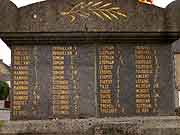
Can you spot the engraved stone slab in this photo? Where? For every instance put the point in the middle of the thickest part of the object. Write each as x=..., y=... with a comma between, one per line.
x=79, y=81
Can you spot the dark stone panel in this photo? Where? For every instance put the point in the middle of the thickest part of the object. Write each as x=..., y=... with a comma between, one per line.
x=42, y=68
x=78, y=69
x=39, y=85
x=86, y=63
x=87, y=81
x=127, y=80
x=167, y=97
x=28, y=107
x=25, y=111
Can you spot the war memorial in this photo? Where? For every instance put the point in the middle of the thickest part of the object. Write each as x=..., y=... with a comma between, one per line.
x=92, y=67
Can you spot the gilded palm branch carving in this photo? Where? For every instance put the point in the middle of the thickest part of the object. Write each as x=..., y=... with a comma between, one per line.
x=100, y=9
x=146, y=1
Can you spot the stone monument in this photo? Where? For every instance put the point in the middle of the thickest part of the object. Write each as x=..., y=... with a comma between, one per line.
x=82, y=59
x=100, y=62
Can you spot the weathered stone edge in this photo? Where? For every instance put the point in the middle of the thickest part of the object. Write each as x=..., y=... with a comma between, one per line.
x=83, y=125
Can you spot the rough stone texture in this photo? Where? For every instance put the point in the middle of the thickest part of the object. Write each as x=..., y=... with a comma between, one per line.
x=8, y=16
x=140, y=17
x=47, y=17
x=169, y=125
x=172, y=16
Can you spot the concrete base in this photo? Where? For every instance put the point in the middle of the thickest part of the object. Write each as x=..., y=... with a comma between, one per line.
x=166, y=125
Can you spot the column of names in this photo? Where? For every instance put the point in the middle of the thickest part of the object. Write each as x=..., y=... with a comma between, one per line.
x=144, y=72
x=65, y=84
x=21, y=62
x=106, y=62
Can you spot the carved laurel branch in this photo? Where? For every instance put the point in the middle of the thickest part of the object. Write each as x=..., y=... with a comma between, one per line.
x=146, y=1
x=101, y=10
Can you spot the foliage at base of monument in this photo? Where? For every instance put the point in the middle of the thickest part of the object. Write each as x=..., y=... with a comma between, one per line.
x=1, y=123
x=4, y=90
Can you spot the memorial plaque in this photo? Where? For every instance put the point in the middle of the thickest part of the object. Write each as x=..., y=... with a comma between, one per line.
x=65, y=89
x=30, y=82
x=21, y=80
x=147, y=79
x=72, y=80
x=79, y=81
x=109, y=62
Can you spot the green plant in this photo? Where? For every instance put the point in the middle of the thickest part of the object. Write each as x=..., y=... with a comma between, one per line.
x=4, y=90
x=1, y=123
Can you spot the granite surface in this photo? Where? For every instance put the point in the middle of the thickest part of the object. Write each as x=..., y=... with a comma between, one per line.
x=53, y=16
x=42, y=95
x=168, y=125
